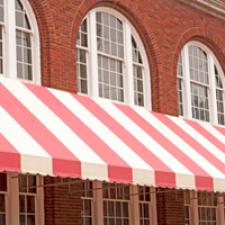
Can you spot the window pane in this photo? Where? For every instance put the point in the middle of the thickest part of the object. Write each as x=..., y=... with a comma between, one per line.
x=1, y=51
x=109, y=78
x=82, y=76
x=21, y=16
x=22, y=203
x=200, y=102
x=30, y=204
x=1, y=11
x=3, y=182
x=24, y=55
x=198, y=63
x=23, y=183
x=109, y=34
x=2, y=203
x=31, y=220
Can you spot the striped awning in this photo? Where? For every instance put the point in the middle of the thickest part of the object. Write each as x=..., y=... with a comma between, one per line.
x=51, y=132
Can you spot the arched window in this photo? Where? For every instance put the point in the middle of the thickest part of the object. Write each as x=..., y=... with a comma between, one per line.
x=111, y=60
x=201, y=84
x=19, y=43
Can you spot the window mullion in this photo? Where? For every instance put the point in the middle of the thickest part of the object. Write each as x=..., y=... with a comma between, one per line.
x=11, y=65
x=93, y=68
x=98, y=203
x=212, y=90
x=187, y=84
x=135, y=217
x=128, y=73
x=220, y=210
x=13, y=192
x=194, y=207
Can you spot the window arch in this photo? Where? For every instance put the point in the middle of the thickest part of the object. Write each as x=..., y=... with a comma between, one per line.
x=19, y=41
x=111, y=60
x=201, y=84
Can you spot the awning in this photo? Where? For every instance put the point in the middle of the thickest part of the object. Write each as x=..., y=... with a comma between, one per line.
x=51, y=132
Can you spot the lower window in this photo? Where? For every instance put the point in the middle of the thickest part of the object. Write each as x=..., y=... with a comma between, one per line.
x=116, y=199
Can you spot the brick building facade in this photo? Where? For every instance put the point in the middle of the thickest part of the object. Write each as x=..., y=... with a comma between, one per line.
x=164, y=27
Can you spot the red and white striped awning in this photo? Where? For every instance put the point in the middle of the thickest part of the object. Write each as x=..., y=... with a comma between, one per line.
x=51, y=132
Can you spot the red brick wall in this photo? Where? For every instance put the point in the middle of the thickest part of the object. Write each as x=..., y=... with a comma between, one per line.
x=164, y=26
x=62, y=202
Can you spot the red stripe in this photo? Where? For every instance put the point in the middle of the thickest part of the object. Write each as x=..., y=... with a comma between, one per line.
x=64, y=162
x=166, y=144
x=207, y=135
x=118, y=169
x=164, y=176
x=9, y=157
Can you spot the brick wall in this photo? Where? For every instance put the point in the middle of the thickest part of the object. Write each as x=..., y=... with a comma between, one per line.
x=62, y=202
x=164, y=26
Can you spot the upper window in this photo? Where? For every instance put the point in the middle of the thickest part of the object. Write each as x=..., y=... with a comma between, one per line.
x=201, y=84
x=111, y=61
x=19, y=41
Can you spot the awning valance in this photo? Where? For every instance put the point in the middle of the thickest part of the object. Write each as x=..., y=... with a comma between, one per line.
x=51, y=132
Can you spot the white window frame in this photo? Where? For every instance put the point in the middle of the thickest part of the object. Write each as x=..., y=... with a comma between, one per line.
x=92, y=65
x=9, y=41
x=13, y=200
x=187, y=106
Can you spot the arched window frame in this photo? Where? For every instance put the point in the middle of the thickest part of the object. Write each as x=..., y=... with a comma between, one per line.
x=92, y=64
x=9, y=41
x=185, y=81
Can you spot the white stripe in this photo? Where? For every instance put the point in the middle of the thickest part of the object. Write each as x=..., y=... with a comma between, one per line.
x=58, y=128
x=34, y=159
x=213, y=131
x=180, y=143
x=144, y=138
x=103, y=132
x=199, y=138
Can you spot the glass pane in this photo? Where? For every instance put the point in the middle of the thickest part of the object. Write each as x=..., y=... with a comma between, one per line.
x=22, y=220
x=22, y=203
x=2, y=219
x=109, y=34
x=3, y=182
x=30, y=220
x=1, y=11
x=32, y=184
x=30, y=204
x=21, y=16
x=2, y=203
x=198, y=63
x=23, y=183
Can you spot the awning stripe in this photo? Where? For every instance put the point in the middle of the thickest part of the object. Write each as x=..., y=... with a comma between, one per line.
x=64, y=161
x=210, y=138
x=168, y=140
x=122, y=170
x=9, y=156
x=130, y=140
x=213, y=165
x=52, y=132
